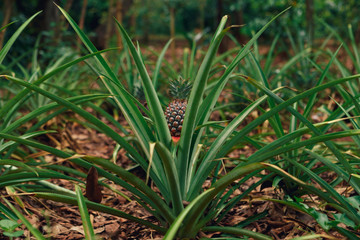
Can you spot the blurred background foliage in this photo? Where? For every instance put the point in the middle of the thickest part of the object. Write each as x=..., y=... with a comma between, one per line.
x=159, y=19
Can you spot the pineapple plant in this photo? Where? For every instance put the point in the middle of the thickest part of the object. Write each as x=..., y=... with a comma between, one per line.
x=175, y=111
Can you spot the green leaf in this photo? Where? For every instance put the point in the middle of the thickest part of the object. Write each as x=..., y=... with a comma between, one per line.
x=150, y=92
x=252, y=125
x=131, y=112
x=89, y=117
x=17, y=164
x=209, y=102
x=9, y=225
x=312, y=98
x=194, y=102
x=25, y=136
x=190, y=223
x=321, y=218
x=6, y=212
x=13, y=101
x=171, y=175
x=211, y=99
x=158, y=64
x=306, y=122
x=40, y=174
x=48, y=108
x=348, y=208
x=342, y=218
x=88, y=228
x=314, y=236
x=355, y=201
x=14, y=234
x=5, y=49
x=337, y=35
x=62, y=154
x=237, y=231
x=99, y=207
x=317, y=139
x=346, y=233
x=208, y=162
x=156, y=201
x=36, y=233
x=173, y=229
x=7, y=25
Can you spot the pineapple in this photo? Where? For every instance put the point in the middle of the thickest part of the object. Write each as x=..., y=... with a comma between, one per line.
x=175, y=112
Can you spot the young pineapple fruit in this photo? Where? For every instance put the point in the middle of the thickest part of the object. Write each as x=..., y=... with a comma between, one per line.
x=175, y=112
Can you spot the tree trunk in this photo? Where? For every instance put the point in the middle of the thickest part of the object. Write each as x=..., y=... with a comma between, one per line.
x=51, y=14
x=7, y=13
x=67, y=7
x=133, y=18
x=109, y=23
x=119, y=17
x=310, y=21
x=145, y=26
x=48, y=20
x=239, y=21
x=63, y=24
x=201, y=18
x=172, y=32
x=82, y=20
x=219, y=8
x=224, y=44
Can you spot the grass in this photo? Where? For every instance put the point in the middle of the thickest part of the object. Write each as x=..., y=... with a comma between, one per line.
x=296, y=159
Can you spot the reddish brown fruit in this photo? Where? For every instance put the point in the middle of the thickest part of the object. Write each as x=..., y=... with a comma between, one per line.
x=175, y=114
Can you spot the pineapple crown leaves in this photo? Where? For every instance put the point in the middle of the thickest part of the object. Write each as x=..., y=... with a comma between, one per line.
x=180, y=88
x=139, y=92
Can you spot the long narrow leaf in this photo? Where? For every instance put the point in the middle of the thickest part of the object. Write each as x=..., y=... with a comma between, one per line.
x=237, y=231
x=158, y=64
x=174, y=228
x=129, y=109
x=35, y=232
x=208, y=161
x=280, y=107
x=104, y=127
x=100, y=208
x=306, y=122
x=172, y=176
x=195, y=99
x=47, y=108
x=312, y=98
x=5, y=49
x=139, y=184
x=9, y=104
x=87, y=165
x=150, y=92
x=352, y=212
x=88, y=228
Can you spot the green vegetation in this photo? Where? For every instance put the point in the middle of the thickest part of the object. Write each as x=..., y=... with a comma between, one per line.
x=8, y=226
x=298, y=117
